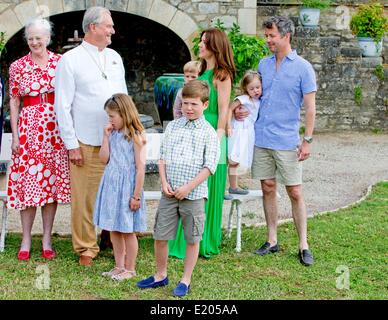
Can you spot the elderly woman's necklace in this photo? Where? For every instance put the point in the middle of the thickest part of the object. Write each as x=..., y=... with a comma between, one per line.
x=103, y=74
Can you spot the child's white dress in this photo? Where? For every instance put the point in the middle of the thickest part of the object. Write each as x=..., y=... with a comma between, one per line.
x=242, y=141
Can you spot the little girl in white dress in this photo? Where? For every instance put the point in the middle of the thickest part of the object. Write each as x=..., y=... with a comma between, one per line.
x=241, y=139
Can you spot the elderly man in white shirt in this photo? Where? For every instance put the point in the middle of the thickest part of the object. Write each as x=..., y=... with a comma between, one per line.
x=86, y=77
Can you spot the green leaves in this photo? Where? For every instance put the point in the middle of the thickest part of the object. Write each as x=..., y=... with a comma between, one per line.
x=369, y=21
x=2, y=41
x=316, y=4
x=247, y=50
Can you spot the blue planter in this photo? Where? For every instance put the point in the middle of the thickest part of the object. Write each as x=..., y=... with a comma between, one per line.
x=165, y=90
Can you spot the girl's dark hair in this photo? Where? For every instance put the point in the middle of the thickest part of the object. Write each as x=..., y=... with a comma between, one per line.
x=218, y=43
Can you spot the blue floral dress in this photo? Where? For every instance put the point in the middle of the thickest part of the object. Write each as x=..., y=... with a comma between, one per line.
x=111, y=210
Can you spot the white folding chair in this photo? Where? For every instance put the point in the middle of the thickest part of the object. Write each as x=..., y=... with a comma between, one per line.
x=5, y=157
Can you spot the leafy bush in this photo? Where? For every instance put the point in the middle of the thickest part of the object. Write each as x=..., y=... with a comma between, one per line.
x=311, y=4
x=358, y=95
x=247, y=50
x=316, y=4
x=379, y=72
x=2, y=41
x=369, y=21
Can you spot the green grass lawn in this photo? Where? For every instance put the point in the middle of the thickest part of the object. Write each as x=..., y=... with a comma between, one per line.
x=353, y=239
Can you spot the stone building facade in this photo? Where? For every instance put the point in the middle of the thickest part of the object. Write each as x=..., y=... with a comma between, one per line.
x=331, y=48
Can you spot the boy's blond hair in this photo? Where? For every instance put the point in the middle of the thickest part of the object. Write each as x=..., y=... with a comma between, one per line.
x=196, y=89
x=191, y=66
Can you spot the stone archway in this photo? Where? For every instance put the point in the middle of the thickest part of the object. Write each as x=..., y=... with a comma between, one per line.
x=15, y=17
x=145, y=40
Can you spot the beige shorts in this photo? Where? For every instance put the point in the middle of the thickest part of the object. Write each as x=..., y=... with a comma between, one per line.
x=167, y=216
x=280, y=165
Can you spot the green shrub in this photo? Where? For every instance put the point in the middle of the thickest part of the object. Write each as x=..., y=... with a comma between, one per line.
x=2, y=41
x=379, y=72
x=316, y=4
x=247, y=50
x=358, y=95
x=312, y=4
x=369, y=21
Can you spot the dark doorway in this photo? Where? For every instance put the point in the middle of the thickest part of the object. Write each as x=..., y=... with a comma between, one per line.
x=148, y=49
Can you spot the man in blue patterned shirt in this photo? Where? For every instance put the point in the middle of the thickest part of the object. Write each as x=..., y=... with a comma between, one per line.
x=288, y=82
x=189, y=155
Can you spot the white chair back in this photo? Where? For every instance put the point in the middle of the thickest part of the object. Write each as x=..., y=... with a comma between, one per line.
x=6, y=141
x=153, y=145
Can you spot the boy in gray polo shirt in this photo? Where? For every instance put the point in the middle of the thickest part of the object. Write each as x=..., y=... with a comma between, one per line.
x=189, y=154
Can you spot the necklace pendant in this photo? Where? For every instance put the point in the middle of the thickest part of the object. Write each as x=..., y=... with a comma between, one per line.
x=104, y=75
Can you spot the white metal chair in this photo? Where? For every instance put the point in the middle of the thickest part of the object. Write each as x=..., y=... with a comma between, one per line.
x=5, y=157
x=237, y=202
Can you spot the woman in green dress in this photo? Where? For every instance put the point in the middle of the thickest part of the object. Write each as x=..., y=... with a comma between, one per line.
x=217, y=68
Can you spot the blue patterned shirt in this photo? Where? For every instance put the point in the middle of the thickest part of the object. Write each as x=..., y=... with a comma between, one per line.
x=187, y=148
x=277, y=126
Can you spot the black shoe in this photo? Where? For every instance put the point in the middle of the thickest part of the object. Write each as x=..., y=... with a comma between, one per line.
x=266, y=248
x=305, y=257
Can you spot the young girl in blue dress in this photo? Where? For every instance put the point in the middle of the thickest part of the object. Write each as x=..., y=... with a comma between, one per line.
x=120, y=206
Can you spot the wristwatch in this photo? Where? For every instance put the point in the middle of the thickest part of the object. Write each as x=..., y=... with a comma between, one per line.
x=308, y=139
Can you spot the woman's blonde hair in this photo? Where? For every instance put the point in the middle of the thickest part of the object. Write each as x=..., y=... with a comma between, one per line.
x=248, y=77
x=125, y=107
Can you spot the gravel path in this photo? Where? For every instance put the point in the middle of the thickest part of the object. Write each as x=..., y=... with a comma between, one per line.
x=338, y=173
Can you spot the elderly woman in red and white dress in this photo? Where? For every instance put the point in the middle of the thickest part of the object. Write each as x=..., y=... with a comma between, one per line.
x=39, y=170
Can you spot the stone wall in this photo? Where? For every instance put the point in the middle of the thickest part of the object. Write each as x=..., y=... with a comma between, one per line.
x=331, y=48
x=336, y=58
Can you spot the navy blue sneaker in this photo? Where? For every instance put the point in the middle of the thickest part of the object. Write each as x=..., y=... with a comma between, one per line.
x=151, y=283
x=181, y=290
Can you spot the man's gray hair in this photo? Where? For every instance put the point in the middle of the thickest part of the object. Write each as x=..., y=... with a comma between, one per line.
x=284, y=25
x=93, y=15
x=42, y=24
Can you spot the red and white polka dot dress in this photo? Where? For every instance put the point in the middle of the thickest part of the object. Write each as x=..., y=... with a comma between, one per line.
x=40, y=172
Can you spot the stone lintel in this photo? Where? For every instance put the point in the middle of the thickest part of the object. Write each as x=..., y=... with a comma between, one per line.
x=162, y=12
x=117, y=5
x=140, y=7
x=26, y=11
x=183, y=25
x=50, y=7
x=9, y=23
x=73, y=5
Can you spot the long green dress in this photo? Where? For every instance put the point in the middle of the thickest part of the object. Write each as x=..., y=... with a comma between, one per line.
x=211, y=238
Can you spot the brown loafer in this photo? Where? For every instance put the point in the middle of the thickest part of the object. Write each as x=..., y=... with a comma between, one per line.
x=85, y=261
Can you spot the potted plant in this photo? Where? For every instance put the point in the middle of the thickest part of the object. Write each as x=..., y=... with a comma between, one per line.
x=369, y=24
x=310, y=11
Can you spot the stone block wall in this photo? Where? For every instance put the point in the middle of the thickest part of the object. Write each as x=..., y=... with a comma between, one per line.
x=336, y=58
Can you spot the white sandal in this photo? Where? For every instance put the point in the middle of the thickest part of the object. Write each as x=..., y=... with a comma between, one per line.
x=115, y=270
x=125, y=274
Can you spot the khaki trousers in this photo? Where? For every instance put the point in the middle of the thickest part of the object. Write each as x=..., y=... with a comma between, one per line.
x=84, y=186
